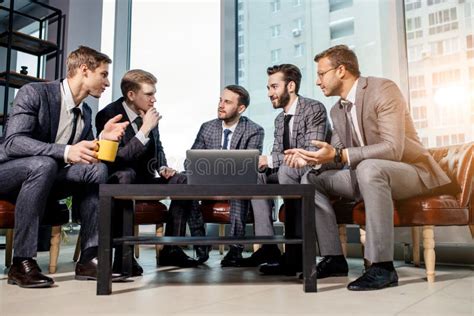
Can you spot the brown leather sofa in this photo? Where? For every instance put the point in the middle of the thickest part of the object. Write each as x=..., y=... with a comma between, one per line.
x=451, y=205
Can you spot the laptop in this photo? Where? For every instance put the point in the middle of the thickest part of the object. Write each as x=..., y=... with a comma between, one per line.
x=216, y=166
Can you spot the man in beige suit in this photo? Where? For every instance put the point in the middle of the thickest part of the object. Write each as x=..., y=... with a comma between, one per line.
x=375, y=143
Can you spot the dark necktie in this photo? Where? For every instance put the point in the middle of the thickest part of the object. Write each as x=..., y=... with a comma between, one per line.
x=139, y=122
x=351, y=136
x=226, y=138
x=286, y=131
x=76, y=111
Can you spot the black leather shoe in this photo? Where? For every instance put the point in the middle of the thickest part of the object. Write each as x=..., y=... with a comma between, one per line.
x=332, y=266
x=176, y=257
x=232, y=257
x=28, y=274
x=202, y=253
x=137, y=270
x=374, y=278
x=266, y=254
x=88, y=271
x=277, y=268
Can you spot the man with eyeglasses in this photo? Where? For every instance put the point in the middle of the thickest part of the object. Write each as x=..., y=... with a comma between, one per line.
x=141, y=159
x=301, y=120
x=378, y=158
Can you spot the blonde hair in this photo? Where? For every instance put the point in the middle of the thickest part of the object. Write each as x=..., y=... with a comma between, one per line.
x=133, y=79
x=85, y=56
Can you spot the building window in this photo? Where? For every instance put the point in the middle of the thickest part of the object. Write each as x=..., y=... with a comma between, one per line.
x=298, y=23
x=447, y=77
x=341, y=29
x=417, y=87
x=275, y=5
x=276, y=30
x=335, y=5
x=412, y=4
x=432, y=2
x=414, y=29
x=296, y=3
x=445, y=47
x=299, y=50
x=415, y=53
x=420, y=117
x=470, y=46
x=240, y=5
x=443, y=21
x=276, y=55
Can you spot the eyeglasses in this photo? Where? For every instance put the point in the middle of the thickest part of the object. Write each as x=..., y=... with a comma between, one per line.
x=321, y=74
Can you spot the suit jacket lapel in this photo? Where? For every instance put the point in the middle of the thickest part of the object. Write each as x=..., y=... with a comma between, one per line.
x=129, y=131
x=296, y=121
x=217, y=136
x=360, y=92
x=237, y=135
x=54, y=101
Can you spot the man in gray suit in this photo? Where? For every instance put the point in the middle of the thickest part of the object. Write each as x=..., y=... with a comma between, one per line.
x=141, y=159
x=375, y=140
x=301, y=120
x=49, y=147
x=230, y=130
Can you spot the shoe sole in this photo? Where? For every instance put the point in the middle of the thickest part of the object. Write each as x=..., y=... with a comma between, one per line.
x=333, y=275
x=374, y=289
x=33, y=286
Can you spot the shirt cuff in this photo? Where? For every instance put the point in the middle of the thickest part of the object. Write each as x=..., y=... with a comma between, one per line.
x=316, y=167
x=348, y=158
x=66, y=152
x=270, y=161
x=142, y=138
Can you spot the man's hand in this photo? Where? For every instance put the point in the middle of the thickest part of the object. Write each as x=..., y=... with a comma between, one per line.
x=298, y=158
x=113, y=130
x=167, y=172
x=262, y=162
x=83, y=152
x=150, y=120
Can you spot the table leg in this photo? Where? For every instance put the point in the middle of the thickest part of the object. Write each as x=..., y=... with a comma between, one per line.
x=309, y=244
x=104, y=273
x=127, y=228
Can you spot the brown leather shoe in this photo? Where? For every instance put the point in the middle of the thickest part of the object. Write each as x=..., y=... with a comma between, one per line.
x=88, y=271
x=28, y=274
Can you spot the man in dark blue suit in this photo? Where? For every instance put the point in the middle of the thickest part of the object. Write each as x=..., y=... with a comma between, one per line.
x=141, y=158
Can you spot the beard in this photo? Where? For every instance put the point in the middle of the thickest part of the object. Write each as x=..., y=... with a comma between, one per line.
x=283, y=99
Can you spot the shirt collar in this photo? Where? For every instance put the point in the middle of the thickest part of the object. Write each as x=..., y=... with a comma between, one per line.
x=68, y=99
x=232, y=128
x=130, y=113
x=292, y=109
x=352, y=93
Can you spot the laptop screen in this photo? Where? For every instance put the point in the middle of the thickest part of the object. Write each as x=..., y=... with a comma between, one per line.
x=214, y=166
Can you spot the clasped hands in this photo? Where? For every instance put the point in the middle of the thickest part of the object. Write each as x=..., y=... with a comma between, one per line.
x=299, y=158
x=86, y=151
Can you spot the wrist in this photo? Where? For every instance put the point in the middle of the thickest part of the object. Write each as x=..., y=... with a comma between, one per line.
x=338, y=155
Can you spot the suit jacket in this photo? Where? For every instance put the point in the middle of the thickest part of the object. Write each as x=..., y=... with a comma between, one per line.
x=247, y=135
x=33, y=124
x=310, y=122
x=132, y=153
x=387, y=130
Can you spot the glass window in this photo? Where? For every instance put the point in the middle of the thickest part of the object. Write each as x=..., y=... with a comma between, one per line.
x=335, y=5
x=185, y=58
x=441, y=79
x=342, y=29
x=276, y=55
x=276, y=5
x=363, y=28
x=276, y=30
x=412, y=4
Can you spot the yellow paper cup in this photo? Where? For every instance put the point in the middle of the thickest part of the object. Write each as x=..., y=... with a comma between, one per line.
x=107, y=150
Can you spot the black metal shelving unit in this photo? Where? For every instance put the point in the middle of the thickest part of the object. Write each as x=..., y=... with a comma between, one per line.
x=13, y=40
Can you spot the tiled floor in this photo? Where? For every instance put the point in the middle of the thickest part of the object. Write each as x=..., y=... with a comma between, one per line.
x=211, y=289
